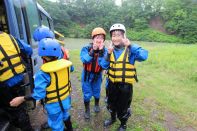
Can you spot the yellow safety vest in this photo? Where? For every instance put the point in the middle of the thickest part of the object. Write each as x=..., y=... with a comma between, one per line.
x=121, y=70
x=9, y=57
x=60, y=86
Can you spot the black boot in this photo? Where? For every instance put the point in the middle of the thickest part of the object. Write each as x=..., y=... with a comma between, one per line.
x=122, y=127
x=68, y=125
x=87, y=110
x=109, y=122
x=96, y=107
x=124, y=120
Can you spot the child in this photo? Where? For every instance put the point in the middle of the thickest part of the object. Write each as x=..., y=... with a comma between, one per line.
x=92, y=72
x=12, y=70
x=120, y=62
x=52, y=85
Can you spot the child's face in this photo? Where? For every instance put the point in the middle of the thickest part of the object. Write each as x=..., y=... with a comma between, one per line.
x=98, y=40
x=117, y=37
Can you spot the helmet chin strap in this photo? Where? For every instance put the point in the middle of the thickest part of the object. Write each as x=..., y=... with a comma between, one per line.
x=49, y=58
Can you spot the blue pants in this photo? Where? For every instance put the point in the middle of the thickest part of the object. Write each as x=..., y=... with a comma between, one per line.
x=56, y=121
x=91, y=87
x=56, y=116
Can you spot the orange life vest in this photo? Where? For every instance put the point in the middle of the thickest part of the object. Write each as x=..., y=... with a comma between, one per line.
x=93, y=66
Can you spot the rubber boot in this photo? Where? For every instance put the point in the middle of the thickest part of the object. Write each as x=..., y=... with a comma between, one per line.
x=109, y=122
x=124, y=120
x=68, y=125
x=87, y=110
x=96, y=107
x=123, y=125
x=122, y=128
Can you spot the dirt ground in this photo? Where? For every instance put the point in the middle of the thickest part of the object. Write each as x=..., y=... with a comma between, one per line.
x=169, y=120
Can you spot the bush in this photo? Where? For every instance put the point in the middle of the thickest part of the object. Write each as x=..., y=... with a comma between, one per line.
x=152, y=36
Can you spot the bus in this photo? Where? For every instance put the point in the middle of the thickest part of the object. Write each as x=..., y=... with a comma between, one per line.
x=20, y=18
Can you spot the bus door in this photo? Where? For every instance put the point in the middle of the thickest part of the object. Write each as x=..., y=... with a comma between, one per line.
x=32, y=21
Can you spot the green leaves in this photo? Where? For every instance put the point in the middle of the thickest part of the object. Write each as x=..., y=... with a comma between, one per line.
x=76, y=18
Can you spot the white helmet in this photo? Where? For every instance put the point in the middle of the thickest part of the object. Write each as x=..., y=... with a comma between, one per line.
x=117, y=27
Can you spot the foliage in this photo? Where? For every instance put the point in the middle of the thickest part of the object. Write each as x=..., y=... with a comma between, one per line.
x=76, y=18
x=152, y=35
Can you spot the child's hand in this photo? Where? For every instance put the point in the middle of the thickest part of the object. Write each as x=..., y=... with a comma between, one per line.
x=17, y=101
x=126, y=42
x=110, y=48
x=95, y=47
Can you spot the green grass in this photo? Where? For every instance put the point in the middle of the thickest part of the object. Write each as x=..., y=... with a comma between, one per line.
x=169, y=77
x=167, y=83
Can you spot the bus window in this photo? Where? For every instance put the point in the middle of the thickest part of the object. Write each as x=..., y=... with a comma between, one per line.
x=18, y=11
x=44, y=20
x=51, y=24
x=32, y=16
x=3, y=18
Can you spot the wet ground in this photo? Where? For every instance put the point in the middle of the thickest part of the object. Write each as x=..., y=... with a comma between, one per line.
x=157, y=118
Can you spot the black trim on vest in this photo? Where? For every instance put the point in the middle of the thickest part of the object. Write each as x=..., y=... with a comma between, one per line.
x=11, y=57
x=123, y=69
x=58, y=89
x=7, y=68
x=115, y=76
x=49, y=92
x=124, y=65
x=58, y=95
x=17, y=49
x=8, y=61
x=120, y=69
x=69, y=83
x=117, y=62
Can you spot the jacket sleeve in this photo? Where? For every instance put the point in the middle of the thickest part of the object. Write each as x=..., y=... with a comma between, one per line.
x=103, y=61
x=138, y=52
x=85, y=56
x=25, y=48
x=41, y=81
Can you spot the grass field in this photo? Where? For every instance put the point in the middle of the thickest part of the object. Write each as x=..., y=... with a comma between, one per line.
x=165, y=97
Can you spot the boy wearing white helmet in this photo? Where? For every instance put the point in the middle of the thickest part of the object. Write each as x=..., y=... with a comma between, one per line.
x=122, y=75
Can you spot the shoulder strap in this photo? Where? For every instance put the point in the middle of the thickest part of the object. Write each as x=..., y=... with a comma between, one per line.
x=124, y=64
x=57, y=90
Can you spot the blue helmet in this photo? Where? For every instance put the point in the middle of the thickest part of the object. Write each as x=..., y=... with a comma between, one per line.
x=42, y=32
x=49, y=47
